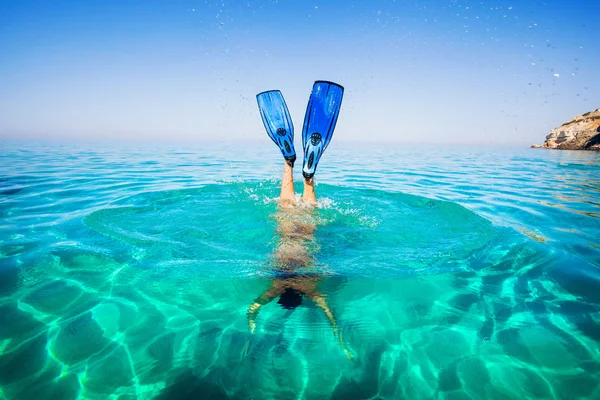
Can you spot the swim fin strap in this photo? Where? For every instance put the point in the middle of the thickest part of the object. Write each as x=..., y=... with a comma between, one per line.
x=319, y=123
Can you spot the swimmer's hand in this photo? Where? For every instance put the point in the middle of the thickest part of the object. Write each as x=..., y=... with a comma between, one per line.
x=349, y=355
x=347, y=352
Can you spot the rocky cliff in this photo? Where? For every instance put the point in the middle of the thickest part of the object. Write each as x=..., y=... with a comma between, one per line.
x=580, y=133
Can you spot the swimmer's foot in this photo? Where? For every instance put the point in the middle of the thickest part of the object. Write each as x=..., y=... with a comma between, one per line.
x=278, y=123
x=319, y=122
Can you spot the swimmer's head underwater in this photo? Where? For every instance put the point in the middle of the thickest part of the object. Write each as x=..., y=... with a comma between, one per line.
x=290, y=299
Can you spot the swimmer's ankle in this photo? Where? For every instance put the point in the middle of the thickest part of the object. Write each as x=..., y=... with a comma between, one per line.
x=290, y=160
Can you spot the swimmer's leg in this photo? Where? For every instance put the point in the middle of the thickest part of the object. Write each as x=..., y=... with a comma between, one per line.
x=286, y=196
x=309, y=195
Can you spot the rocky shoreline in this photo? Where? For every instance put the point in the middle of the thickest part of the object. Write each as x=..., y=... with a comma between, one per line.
x=580, y=133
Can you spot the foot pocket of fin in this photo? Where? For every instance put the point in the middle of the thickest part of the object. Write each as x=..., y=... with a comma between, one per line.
x=290, y=160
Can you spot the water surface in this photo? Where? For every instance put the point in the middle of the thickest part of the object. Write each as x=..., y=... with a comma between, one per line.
x=453, y=273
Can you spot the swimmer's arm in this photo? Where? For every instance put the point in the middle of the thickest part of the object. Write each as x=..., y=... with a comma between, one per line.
x=318, y=299
x=260, y=301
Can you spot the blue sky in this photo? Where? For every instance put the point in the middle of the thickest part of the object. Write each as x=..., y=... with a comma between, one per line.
x=484, y=72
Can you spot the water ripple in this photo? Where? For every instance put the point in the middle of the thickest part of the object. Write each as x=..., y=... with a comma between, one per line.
x=116, y=262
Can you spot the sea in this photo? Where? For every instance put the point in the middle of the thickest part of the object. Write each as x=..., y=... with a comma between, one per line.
x=127, y=272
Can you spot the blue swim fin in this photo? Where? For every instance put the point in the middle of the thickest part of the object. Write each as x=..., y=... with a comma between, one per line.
x=319, y=122
x=278, y=123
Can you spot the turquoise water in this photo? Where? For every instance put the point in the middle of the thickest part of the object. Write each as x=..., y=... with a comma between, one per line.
x=126, y=272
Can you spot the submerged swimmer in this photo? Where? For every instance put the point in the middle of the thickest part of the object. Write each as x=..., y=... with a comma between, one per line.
x=294, y=257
